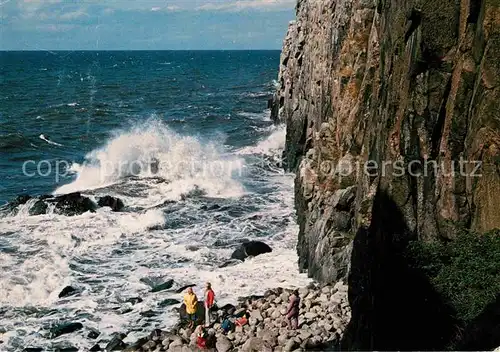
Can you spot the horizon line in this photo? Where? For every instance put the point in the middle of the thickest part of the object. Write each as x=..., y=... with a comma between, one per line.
x=94, y=50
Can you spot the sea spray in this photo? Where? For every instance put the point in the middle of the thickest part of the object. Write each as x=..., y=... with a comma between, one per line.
x=153, y=150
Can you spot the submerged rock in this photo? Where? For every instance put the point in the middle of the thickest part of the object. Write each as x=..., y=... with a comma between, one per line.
x=68, y=291
x=39, y=208
x=93, y=334
x=73, y=204
x=250, y=249
x=169, y=302
x=164, y=286
x=65, y=328
x=116, y=204
x=116, y=344
x=181, y=289
x=95, y=348
x=134, y=300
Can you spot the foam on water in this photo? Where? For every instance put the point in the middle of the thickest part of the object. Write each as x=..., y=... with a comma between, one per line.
x=106, y=254
x=271, y=145
x=153, y=150
x=46, y=139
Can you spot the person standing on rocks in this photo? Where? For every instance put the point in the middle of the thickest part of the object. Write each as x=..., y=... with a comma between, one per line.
x=209, y=303
x=191, y=302
x=292, y=314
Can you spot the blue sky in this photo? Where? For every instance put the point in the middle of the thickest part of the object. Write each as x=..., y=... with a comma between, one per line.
x=143, y=24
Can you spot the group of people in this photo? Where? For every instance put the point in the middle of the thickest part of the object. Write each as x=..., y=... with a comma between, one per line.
x=191, y=303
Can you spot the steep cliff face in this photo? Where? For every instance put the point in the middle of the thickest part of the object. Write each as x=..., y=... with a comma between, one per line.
x=393, y=128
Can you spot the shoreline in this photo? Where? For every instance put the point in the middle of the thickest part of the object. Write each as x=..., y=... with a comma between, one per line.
x=323, y=316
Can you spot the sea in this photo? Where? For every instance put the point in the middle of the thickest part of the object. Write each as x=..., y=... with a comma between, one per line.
x=185, y=139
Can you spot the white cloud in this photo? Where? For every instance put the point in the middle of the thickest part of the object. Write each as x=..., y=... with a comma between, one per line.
x=155, y=9
x=248, y=5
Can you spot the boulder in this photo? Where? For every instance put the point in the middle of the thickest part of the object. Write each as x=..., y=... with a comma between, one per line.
x=116, y=343
x=231, y=262
x=183, y=288
x=68, y=291
x=164, y=286
x=176, y=342
x=148, y=313
x=257, y=315
x=93, y=334
x=291, y=345
x=269, y=337
x=20, y=200
x=65, y=328
x=254, y=344
x=250, y=249
x=73, y=204
x=39, y=208
x=116, y=204
x=134, y=300
x=223, y=344
x=169, y=302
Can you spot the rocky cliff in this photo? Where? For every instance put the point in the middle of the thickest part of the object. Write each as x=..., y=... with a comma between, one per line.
x=393, y=129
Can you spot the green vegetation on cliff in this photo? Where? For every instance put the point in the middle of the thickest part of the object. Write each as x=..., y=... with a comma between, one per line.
x=465, y=271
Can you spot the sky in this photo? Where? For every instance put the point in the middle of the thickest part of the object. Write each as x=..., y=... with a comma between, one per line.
x=144, y=24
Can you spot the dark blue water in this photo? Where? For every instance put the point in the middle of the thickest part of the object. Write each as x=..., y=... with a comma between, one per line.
x=76, y=98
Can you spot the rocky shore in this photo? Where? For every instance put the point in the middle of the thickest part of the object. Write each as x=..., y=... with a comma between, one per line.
x=324, y=315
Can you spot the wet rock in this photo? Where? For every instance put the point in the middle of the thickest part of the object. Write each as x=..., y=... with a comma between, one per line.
x=68, y=291
x=116, y=204
x=66, y=349
x=169, y=302
x=20, y=200
x=134, y=300
x=95, y=348
x=93, y=334
x=250, y=249
x=65, y=328
x=73, y=204
x=164, y=286
x=116, y=343
x=148, y=313
x=39, y=208
x=231, y=262
x=183, y=288
x=210, y=207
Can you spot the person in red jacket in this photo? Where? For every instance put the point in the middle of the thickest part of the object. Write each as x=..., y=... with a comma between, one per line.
x=209, y=303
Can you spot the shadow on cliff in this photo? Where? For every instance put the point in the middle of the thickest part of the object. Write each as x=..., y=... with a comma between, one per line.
x=393, y=306
x=483, y=333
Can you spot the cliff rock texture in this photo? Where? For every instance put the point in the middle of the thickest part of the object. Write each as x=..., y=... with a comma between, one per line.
x=391, y=110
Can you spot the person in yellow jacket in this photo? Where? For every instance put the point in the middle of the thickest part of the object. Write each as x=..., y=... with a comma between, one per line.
x=191, y=302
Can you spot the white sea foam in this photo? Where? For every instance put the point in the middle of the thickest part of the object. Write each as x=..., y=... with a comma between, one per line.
x=153, y=150
x=106, y=254
x=263, y=116
x=270, y=145
x=46, y=139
